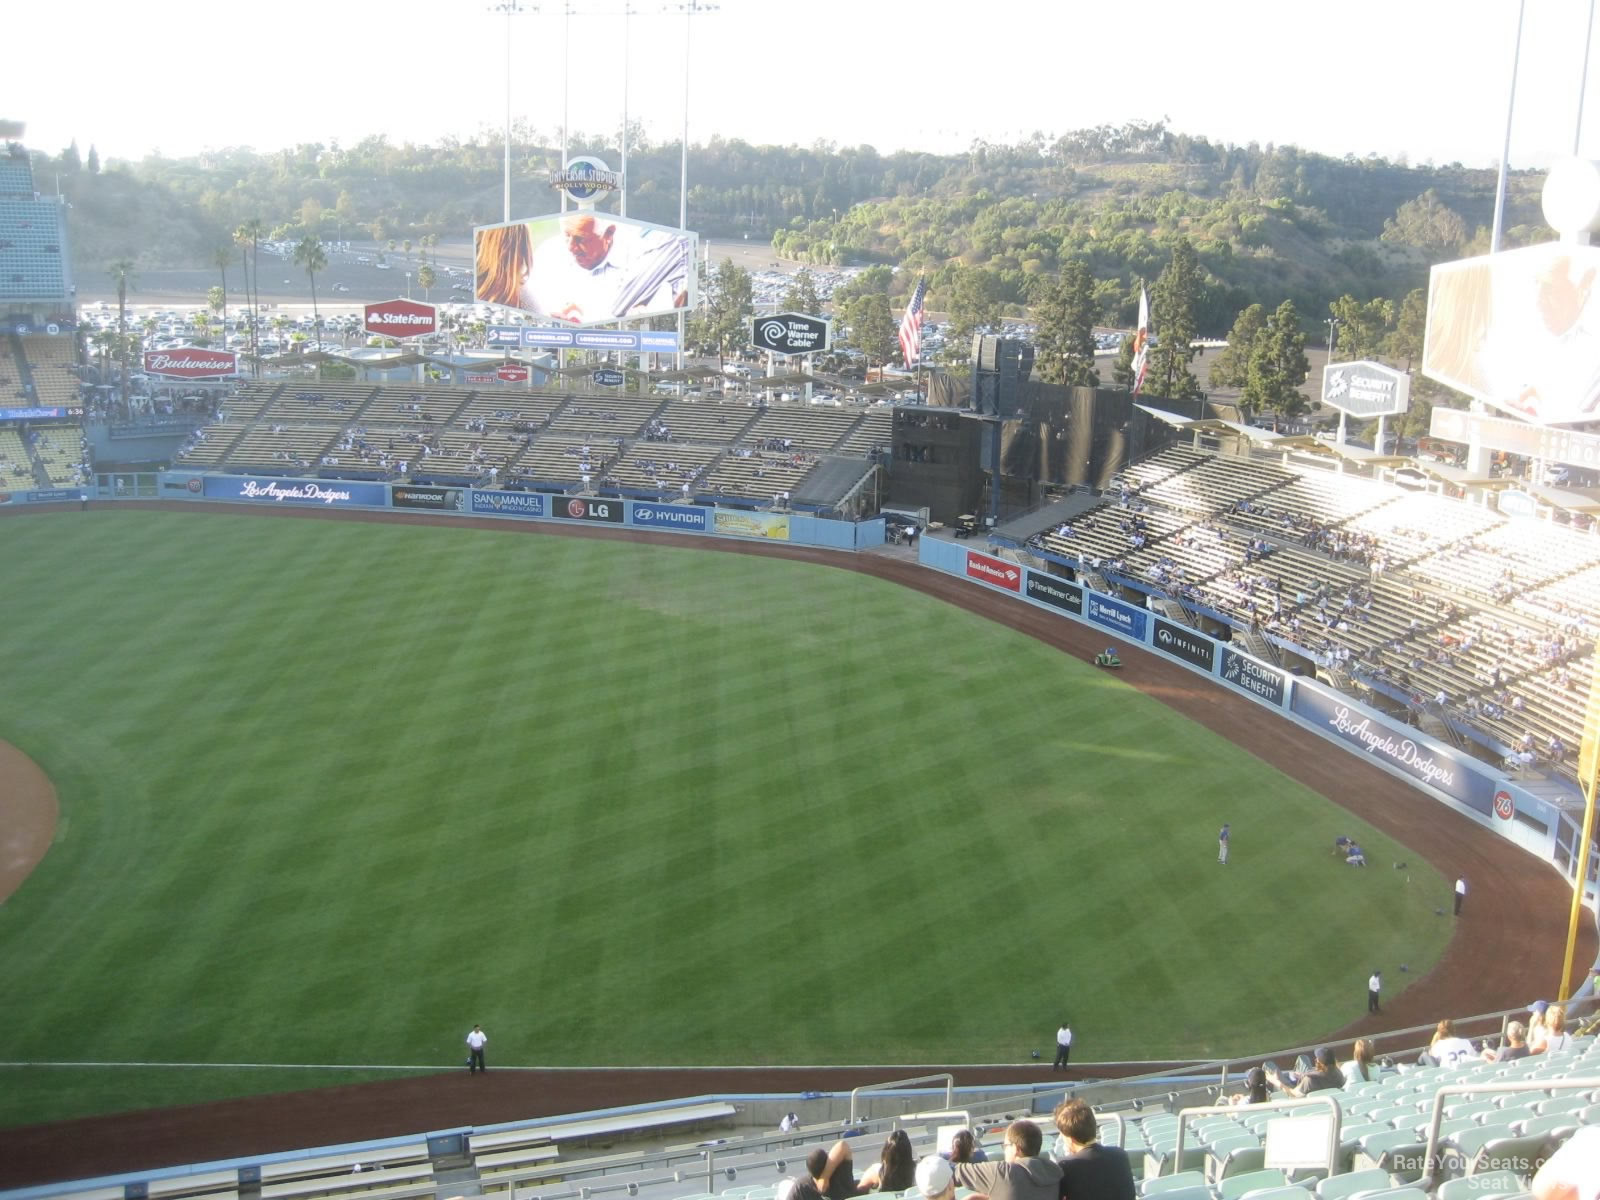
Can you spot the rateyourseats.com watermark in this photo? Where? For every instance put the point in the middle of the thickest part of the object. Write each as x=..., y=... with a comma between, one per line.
x=1452, y=1164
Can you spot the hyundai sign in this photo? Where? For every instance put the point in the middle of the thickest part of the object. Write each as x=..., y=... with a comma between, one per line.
x=1366, y=389
x=790, y=333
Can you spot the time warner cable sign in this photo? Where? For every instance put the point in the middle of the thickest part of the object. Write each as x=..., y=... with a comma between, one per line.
x=791, y=333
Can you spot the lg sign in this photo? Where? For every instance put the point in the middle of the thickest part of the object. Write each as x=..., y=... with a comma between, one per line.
x=401, y=319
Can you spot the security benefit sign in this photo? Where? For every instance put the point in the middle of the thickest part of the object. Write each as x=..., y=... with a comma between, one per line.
x=1248, y=675
x=1187, y=644
x=791, y=333
x=579, y=508
x=1365, y=389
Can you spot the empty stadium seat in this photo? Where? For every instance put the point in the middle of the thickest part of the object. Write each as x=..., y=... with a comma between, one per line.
x=1342, y=1186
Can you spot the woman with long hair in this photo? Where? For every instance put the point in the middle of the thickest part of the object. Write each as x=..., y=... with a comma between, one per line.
x=896, y=1168
x=504, y=256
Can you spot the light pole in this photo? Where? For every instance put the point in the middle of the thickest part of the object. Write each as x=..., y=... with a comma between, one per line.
x=510, y=8
x=1505, y=149
x=689, y=8
x=1333, y=328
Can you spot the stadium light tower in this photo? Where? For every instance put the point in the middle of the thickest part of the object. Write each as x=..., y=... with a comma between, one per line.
x=511, y=8
x=690, y=9
x=1505, y=149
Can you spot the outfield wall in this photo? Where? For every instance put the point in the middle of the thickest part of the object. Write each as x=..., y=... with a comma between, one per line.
x=800, y=529
x=1453, y=777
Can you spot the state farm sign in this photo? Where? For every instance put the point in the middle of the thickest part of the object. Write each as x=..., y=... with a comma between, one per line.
x=190, y=362
x=511, y=373
x=401, y=319
x=994, y=570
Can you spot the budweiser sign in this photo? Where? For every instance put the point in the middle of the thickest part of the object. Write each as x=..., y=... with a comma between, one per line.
x=401, y=319
x=190, y=362
x=511, y=373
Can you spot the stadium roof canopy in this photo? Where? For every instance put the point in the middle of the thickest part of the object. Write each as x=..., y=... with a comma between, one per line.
x=1463, y=478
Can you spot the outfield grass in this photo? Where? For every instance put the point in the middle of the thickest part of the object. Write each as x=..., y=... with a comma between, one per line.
x=333, y=792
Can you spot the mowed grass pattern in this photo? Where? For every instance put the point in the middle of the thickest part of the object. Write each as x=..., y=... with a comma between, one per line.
x=333, y=792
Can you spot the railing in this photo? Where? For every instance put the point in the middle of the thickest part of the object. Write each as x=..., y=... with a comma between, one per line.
x=1430, y=1161
x=893, y=1084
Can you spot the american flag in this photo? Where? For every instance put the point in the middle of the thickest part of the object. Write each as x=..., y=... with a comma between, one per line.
x=1141, y=343
x=911, y=326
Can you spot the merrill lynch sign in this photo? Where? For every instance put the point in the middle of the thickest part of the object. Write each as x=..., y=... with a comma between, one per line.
x=1365, y=389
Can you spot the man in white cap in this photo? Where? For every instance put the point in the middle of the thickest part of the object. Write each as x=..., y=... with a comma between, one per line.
x=936, y=1180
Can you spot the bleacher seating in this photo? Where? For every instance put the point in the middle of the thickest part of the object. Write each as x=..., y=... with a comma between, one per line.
x=16, y=465
x=1413, y=593
x=33, y=260
x=51, y=361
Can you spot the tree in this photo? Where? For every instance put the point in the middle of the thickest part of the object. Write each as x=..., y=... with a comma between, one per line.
x=216, y=301
x=1361, y=328
x=70, y=160
x=802, y=294
x=1278, y=365
x=121, y=270
x=975, y=304
x=1429, y=224
x=872, y=327
x=250, y=234
x=1231, y=367
x=1065, y=321
x=94, y=160
x=219, y=259
x=1122, y=369
x=1404, y=343
x=426, y=278
x=727, y=302
x=308, y=254
x=1172, y=307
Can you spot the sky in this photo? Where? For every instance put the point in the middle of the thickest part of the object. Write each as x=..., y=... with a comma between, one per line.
x=1426, y=79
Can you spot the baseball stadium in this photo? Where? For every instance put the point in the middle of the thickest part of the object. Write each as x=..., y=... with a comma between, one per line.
x=722, y=764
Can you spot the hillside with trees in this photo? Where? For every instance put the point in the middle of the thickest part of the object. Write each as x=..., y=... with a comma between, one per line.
x=1074, y=224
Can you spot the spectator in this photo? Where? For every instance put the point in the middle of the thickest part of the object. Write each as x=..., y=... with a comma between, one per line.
x=1572, y=1172
x=964, y=1148
x=1090, y=1171
x=896, y=1168
x=1363, y=1065
x=1447, y=1049
x=1552, y=1034
x=936, y=1180
x=1324, y=1074
x=1515, y=1047
x=1023, y=1175
x=830, y=1173
x=1256, y=1089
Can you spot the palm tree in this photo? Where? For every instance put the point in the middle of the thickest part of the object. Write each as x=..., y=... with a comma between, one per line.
x=219, y=259
x=122, y=271
x=308, y=253
x=426, y=278
x=251, y=233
